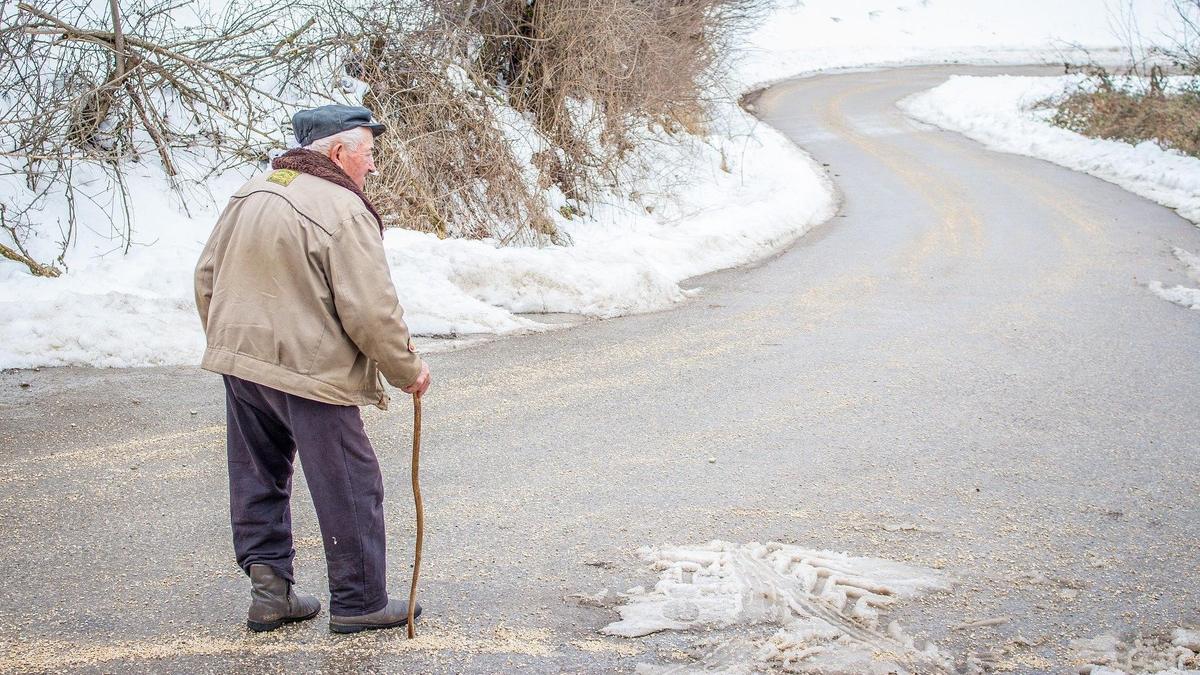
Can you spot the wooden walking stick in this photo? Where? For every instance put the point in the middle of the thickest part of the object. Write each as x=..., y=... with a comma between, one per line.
x=416, y=486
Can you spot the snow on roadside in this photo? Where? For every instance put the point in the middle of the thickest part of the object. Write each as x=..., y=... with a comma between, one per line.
x=687, y=217
x=821, y=610
x=1001, y=113
x=1182, y=295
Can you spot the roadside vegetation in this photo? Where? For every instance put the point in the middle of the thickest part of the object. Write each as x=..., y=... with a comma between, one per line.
x=1156, y=99
x=504, y=115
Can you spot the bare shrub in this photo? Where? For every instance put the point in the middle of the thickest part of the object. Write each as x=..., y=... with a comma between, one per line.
x=593, y=72
x=590, y=74
x=219, y=80
x=445, y=165
x=1124, y=114
x=1142, y=102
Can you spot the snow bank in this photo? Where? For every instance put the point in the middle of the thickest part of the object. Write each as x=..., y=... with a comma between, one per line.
x=1001, y=113
x=687, y=216
x=825, y=607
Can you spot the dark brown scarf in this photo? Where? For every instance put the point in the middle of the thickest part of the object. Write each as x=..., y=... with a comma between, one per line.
x=316, y=164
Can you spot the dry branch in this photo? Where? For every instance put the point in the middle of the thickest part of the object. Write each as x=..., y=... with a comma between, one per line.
x=104, y=90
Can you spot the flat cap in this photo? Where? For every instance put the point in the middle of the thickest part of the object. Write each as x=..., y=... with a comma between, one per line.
x=316, y=123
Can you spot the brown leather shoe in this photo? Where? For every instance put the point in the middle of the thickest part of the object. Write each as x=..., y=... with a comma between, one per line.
x=393, y=615
x=274, y=601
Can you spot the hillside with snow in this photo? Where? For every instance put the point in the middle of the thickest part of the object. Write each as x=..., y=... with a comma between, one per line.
x=733, y=195
x=808, y=36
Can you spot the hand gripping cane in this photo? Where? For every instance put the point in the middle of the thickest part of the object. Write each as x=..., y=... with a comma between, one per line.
x=416, y=486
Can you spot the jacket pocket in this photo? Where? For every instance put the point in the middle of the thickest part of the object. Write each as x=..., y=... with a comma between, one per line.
x=316, y=352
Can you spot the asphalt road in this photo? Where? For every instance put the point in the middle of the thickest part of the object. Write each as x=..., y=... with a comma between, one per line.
x=964, y=369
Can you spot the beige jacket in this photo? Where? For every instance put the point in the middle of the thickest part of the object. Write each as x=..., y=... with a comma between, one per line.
x=294, y=293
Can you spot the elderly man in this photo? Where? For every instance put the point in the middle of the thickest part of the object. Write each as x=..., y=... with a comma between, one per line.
x=301, y=317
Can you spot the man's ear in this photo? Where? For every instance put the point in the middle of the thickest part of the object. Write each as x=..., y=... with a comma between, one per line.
x=336, y=153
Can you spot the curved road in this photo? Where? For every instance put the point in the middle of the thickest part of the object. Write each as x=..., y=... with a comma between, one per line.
x=963, y=370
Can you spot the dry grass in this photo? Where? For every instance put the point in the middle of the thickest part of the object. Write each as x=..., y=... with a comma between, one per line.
x=444, y=165
x=589, y=75
x=632, y=61
x=1122, y=112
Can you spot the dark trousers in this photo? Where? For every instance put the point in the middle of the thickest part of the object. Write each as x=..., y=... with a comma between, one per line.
x=267, y=429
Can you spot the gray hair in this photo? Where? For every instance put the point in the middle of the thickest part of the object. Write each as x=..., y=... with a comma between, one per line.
x=351, y=138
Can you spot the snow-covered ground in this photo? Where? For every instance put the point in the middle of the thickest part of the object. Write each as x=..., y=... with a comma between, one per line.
x=733, y=197
x=705, y=204
x=807, y=36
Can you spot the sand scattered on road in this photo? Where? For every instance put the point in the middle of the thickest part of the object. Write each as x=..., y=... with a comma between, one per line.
x=606, y=647
x=54, y=655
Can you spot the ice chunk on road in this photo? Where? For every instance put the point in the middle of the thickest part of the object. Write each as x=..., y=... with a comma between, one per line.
x=1143, y=654
x=1182, y=295
x=826, y=606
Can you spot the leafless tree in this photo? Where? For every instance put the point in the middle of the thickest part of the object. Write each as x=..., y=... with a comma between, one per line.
x=1185, y=48
x=105, y=88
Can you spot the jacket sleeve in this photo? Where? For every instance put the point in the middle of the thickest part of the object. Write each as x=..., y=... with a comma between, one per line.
x=366, y=302
x=204, y=282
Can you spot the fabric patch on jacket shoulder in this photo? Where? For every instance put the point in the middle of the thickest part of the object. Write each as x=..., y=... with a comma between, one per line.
x=283, y=177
